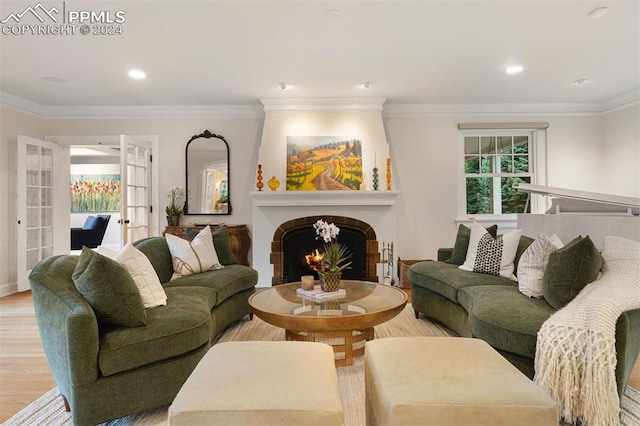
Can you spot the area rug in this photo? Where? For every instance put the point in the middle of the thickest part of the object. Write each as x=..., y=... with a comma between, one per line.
x=49, y=410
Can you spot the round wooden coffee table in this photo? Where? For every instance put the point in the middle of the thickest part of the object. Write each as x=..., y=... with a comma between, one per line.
x=345, y=322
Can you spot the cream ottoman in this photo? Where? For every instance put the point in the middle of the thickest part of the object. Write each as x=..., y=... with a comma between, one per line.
x=449, y=381
x=261, y=383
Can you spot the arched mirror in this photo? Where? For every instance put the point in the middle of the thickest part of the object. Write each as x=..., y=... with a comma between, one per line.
x=207, y=175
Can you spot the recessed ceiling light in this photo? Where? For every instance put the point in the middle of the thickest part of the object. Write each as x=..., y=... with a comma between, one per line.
x=137, y=74
x=365, y=85
x=53, y=78
x=332, y=13
x=597, y=12
x=581, y=81
x=514, y=69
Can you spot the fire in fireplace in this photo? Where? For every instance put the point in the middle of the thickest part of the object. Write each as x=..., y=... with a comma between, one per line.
x=296, y=239
x=314, y=259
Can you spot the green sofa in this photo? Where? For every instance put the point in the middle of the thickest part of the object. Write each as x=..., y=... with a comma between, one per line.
x=491, y=308
x=106, y=371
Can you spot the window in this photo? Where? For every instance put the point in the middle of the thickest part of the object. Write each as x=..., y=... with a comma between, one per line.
x=494, y=162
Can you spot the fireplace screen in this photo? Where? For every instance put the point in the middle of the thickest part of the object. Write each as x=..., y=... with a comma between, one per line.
x=296, y=238
x=298, y=243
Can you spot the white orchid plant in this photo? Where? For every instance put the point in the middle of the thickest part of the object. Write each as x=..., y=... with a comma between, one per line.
x=176, y=196
x=335, y=254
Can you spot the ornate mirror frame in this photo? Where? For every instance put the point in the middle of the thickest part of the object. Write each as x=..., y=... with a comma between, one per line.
x=195, y=192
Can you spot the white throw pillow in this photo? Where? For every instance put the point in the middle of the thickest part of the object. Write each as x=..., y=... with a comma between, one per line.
x=488, y=255
x=533, y=263
x=193, y=257
x=621, y=255
x=142, y=272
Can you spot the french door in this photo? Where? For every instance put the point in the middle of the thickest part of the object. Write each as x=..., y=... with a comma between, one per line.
x=42, y=185
x=135, y=194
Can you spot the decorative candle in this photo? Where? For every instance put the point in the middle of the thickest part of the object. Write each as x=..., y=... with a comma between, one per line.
x=306, y=282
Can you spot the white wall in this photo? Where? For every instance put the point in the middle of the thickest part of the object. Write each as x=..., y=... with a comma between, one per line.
x=424, y=152
x=589, y=152
x=242, y=134
x=621, y=151
x=574, y=154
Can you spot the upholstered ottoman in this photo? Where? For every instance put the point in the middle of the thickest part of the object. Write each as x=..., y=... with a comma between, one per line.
x=449, y=381
x=261, y=383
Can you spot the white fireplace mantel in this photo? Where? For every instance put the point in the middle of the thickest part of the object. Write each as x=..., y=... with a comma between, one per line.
x=324, y=198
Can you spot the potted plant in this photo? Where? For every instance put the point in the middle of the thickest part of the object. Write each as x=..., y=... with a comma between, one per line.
x=335, y=256
x=175, y=207
x=220, y=202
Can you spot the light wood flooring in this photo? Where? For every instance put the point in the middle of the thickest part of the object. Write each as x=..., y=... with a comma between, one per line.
x=24, y=373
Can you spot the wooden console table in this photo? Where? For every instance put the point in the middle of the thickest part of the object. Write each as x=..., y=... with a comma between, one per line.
x=238, y=236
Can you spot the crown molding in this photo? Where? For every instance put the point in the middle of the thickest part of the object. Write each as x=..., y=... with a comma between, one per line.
x=418, y=110
x=156, y=111
x=129, y=111
x=623, y=101
x=19, y=104
x=25, y=106
x=323, y=104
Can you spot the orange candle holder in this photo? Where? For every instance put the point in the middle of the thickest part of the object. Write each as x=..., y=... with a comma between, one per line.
x=260, y=185
x=388, y=173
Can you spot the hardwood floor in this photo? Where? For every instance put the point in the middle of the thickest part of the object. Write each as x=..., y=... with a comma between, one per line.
x=24, y=373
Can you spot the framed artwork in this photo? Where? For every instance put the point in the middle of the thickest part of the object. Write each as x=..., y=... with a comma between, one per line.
x=316, y=163
x=95, y=193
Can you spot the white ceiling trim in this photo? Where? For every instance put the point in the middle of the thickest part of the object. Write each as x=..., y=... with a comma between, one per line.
x=129, y=111
x=155, y=111
x=19, y=104
x=417, y=110
x=323, y=104
x=623, y=101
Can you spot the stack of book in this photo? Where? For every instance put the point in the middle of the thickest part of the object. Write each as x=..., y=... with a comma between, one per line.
x=318, y=295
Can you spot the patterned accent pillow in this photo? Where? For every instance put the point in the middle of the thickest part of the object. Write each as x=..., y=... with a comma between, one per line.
x=461, y=245
x=193, y=257
x=533, y=263
x=488, y=255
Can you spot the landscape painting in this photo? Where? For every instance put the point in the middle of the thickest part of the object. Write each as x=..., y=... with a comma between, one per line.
x=95, y=193
x=317, y=163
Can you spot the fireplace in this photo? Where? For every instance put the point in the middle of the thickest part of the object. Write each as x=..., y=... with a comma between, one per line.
x=296, y=238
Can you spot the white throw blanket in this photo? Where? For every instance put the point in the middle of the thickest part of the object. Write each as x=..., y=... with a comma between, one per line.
x=575, y=354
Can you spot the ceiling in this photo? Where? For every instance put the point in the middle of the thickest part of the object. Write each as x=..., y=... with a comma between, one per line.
x=413, y=52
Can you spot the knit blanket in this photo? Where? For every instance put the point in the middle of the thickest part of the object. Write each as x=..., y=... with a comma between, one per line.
x=575, y=353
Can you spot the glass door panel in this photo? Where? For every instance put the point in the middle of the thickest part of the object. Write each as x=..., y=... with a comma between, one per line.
x=35, y=210
x=135, y=200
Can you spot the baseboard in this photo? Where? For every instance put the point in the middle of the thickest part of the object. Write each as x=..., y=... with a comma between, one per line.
x=8, y=288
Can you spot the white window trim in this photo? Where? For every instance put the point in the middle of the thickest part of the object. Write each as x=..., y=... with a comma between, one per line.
x=538, y=157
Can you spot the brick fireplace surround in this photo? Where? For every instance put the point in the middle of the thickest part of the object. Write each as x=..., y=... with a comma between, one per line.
x=372, y=255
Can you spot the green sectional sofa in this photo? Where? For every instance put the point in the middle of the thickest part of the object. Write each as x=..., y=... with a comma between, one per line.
x=491, y=308
x=106, y=371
